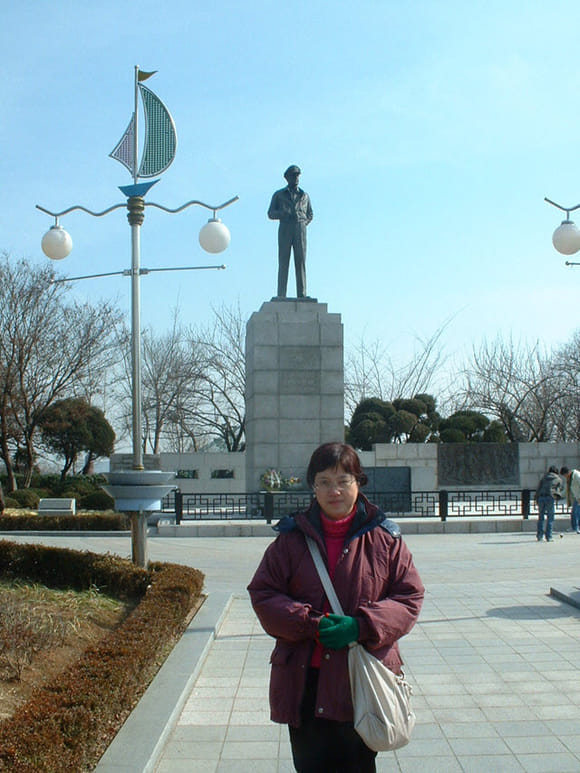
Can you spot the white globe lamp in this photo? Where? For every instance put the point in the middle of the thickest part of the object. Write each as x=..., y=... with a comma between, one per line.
x=214, y=237
x=566, y=238
x=56, y=243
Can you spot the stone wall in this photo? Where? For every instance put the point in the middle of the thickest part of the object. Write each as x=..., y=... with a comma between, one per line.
x=534, y=460
x=196, y=471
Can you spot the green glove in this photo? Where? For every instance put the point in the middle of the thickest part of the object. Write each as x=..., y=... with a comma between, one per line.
x=325, y=622
x=337, y=631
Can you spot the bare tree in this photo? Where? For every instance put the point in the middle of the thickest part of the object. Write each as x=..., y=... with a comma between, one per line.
x=515, y=384
x=222, y=346
x=371, y=371
x=171, y=383
x=566, y=368
x=47, y=347
x=170, y=390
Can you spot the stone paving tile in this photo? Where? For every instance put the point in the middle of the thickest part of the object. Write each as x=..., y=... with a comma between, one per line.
x=473, y=730
x=543, y=744
x=572, y=743
x=386, y=764
x=187, y=766
x=496, y=763
x=494, y=665
x=564, y=727
x=260, y=717
x=270, y=732
x=517, y=728
x=422, y=765
x=438, y=747
x=549, y=763
x=458, y=701
x=250, y=750
x=194, y=750
x=199, y=733
x=203, y=704
x=427, y=731
x=239, y=765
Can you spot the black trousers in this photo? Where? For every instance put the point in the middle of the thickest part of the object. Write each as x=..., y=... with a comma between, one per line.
x=326, y=746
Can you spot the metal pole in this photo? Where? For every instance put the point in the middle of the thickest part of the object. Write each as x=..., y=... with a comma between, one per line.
x=136, y=207
x=139, y=538
x=136, y=215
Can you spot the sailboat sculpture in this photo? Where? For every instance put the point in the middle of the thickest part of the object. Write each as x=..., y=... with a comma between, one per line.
x=160, y=143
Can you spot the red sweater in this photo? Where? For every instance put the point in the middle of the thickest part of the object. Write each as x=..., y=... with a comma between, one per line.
x=334, y=533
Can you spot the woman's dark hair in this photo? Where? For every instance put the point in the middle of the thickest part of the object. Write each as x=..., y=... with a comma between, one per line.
x=329, y=456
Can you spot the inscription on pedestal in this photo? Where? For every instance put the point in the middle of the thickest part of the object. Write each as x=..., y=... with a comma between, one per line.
x=478, y=464
x=300, y=382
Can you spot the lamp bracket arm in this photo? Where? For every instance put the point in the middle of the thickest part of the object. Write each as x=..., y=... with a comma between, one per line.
x=567, y=210
x=83, y=209
x=184, y=268
x=124, y=272
x=190, y=204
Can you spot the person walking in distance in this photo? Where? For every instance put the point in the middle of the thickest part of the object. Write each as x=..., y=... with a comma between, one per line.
x=550, y=488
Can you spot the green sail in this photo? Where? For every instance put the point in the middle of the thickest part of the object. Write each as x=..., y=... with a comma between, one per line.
x=160, y=135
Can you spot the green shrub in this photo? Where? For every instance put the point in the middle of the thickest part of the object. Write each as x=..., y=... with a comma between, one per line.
x=26, y=498
x=82, y=522
x=50, y=486
x=64, y=725
x=97, y=500
x=42, y=493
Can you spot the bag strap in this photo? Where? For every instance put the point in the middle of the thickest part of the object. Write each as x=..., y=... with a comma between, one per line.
x=324, y=576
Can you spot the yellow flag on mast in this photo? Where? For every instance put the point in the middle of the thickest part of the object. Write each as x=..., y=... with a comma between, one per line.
x=142, y=76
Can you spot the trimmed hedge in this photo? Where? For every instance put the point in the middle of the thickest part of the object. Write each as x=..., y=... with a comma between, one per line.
x=96, y=500
x=26, y=498
x=81, y=522
x=66, y=726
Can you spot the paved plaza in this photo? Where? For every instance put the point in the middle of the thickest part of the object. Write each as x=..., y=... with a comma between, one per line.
x=494, y=660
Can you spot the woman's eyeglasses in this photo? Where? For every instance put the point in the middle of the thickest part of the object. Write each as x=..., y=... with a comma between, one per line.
x=342, y=484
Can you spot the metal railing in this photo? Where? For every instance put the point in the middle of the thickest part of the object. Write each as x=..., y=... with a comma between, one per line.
x=441, y=504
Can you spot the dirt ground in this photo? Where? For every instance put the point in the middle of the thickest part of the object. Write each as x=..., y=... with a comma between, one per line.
x=82, y=622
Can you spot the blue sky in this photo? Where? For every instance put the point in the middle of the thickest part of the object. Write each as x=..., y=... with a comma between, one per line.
x=428, y=134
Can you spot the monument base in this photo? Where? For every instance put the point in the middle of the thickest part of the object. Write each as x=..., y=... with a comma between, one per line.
x=294, y=385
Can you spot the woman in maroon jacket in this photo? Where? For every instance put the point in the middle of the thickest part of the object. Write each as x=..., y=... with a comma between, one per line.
x=378, y=587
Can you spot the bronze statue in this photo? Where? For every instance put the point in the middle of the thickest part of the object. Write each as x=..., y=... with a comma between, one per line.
x=291, y=206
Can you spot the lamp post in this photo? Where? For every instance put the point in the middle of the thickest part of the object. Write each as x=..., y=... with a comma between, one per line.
x=566, y=238
x=139, y=491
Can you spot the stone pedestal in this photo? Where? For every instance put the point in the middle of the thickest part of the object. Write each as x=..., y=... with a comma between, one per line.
x=295, y=386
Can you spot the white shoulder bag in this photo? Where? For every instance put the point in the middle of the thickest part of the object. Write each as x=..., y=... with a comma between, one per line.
x=382, y=709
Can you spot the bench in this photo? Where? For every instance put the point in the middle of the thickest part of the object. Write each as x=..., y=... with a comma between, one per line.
x=57, y=507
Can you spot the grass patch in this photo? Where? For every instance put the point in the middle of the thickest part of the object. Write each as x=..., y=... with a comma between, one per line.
x=42, y=630
x=68, y=722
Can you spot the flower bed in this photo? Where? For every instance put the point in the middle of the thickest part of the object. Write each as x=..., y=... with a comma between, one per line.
x=68, y=724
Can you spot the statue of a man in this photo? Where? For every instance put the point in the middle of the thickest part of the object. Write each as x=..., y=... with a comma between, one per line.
x=291, y=206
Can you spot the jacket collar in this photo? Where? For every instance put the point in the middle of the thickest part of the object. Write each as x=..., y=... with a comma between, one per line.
x=367, y=517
